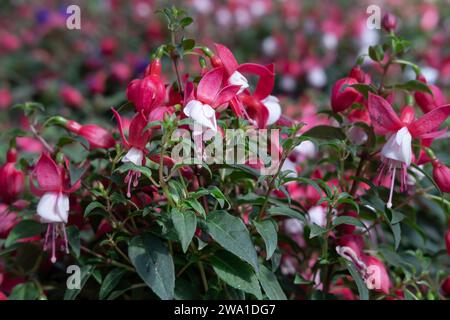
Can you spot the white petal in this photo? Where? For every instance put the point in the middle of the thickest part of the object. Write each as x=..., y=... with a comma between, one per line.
x=317, y=77
x=398, y=147
x=273, y=106
x=47, y=208
x=290, y=168
x=193, y=104
x=238, y=79
x=62, y=207
x=318, y=216
x=135, y=156
x=306, y=149
x=205, y=115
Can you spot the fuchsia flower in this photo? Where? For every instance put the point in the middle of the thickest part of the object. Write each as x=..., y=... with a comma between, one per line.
x=441, y=175
x=12, y=180
x=137, y=140
x=372, y=270
x=97, y=136
x=397, y=152
x=343, y=95
x=53, y=207
x=149, y=92
x=426, y=101
x=261, y=109
x=200, y=105
x=71, y=96
x=389, y=22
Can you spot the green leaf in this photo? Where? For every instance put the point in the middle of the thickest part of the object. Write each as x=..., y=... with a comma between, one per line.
x=186, y=21
x=24, y=291
x=85, y=274
x=91, y=207
x=230, y=232
x=316, y=230
x=397, y=232
x=220, y=197
x=360, y=284
x=325, y=133
x=188, y=44
x=270, y=284
x=112, y=279
x=376, y=53
x=414, y=85
x=268, y=231
x=236, y=273
x=286, y=211
x=76, y=173
x=154, y=264
x=24, y=229
x=194, y=204
x=348, y=220
x=185, y=224
x=73, y=236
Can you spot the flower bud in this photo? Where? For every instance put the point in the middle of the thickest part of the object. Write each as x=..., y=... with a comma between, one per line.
x=71, y=96
x=343, y=95
x=97, y=136
x=389, y=22
x=426, y=101
x=12, y=180
x=5, y=98
x=146, y=93
x=441, y=174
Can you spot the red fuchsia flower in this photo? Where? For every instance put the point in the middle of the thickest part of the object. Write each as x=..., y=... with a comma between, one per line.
x=262, y=109
x=343, y=95
x=149, y=92
x=12, y=180
x=71, y=96
x=397, y=152
x=98, y=137
x=427, y=101
x=446, y=286
x=137, y=140
x=441, y=175
x=53, y=207
x=200, y=105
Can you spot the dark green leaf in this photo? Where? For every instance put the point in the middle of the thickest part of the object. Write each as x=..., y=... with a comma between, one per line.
x=112, y=279
x=270, y=284
x=325, y=133
x=185, y=224
x=73, y=236
x=154, y=264
x=236, y=273
x=230, y=232
x=24, y=229
x=268, y=231
x=85, y=274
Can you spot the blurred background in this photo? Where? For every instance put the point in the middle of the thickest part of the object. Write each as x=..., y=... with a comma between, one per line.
x=82, y=73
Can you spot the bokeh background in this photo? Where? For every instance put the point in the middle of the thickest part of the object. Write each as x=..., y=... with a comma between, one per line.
x=82, y=73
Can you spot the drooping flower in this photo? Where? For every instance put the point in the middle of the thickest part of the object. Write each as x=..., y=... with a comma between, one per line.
x=138, y=138
x=397, y=153
x=343, y=95
x=201, y=105
x=258, y=107
x=12, y=180
x=97, y=136
x=53, y=186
